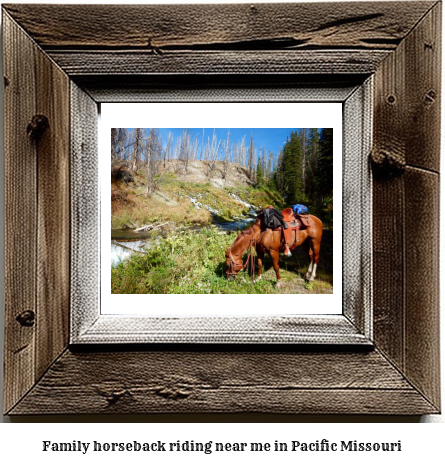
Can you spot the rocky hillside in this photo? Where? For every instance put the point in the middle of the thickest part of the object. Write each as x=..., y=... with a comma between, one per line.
x=191, y=197
x=199, y=172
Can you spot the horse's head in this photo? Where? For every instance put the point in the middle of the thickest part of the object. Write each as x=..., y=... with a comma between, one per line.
x=233, y=265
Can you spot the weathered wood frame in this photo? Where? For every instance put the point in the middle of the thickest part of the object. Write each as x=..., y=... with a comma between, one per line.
x=90, y=323
x=68, y=59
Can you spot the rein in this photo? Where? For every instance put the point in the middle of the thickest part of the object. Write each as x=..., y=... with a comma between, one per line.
x=250, y=248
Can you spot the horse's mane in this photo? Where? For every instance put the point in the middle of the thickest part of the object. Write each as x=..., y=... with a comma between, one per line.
x=246, y=232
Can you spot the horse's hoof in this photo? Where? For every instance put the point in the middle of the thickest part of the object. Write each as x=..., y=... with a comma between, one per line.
x=307, y=276
x=279, y=284
x=258, y=279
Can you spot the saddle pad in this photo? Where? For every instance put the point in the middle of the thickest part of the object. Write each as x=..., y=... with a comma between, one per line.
x=293, y=225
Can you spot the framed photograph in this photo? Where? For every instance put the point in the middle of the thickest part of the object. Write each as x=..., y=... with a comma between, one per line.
x=200, y=109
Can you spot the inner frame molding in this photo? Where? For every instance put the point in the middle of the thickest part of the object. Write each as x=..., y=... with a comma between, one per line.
x=78, y=56
x=89, y=326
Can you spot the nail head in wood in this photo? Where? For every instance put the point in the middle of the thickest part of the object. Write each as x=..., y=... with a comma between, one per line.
x=26, y=318
x=430, y=97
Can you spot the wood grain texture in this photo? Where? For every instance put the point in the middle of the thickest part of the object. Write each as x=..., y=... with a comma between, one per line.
x=422, y=364
x=399, y=41
x=388, y=268
x=223, y=382
x=78, y=63
x=357, y=208
x=406, y=274
x=377, y=25
x=37, y=214
x=20, y=212
x=423, y=91
x=112, y=329
x=85, y=210
x=388, y=198
x=53, y=227
x=408, y=97
x=219, y=87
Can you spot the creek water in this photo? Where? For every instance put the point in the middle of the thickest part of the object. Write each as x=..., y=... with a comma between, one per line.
x=126, y=242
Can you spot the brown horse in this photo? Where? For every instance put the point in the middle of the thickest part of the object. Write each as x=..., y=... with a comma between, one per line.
x=267, y=240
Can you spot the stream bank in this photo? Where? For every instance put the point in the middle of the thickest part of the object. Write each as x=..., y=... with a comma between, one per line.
x=126, y=242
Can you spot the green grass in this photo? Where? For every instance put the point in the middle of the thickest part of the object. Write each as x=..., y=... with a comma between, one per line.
x=259, y=196
x=134, y=209
x=193, y=262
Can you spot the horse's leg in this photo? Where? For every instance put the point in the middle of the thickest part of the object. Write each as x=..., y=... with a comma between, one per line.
x=260, y=258
x=275, y=256
x=315, y=249
x=308, y=249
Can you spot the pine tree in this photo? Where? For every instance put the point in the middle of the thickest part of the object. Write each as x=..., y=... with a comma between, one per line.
x=311, y=163
x=278, y=175
x=292, y=164
x=303, y=140
x=324, y=172
x=260, y=172
x=269, y=167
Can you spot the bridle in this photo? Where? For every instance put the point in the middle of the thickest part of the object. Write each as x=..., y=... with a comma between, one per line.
x=233, y=271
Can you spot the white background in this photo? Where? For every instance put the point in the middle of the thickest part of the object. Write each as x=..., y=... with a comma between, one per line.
x=219, y=115
x=21, y=442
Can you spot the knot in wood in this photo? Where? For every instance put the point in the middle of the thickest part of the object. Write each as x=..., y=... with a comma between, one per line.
x=388, y=162
x=37, y=126
x=115, y=396
x=26, y=318
x=173, y=393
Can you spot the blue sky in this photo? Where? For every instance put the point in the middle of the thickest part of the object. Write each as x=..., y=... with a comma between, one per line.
x=273, y=139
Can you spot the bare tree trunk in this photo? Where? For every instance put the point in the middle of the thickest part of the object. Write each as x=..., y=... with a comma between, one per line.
x=184, y=149
x=149, y=155
x=202, y=144
x=136, y=148
x=177, y=156
x=154, y=158
x=250, y=158
x=168, y=148
x=243, y=151
x=269, y=165
x=195, y=149
x=225, y=161
x=114, y=141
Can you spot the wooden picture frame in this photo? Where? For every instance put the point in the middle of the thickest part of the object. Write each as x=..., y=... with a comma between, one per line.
x=57, y=70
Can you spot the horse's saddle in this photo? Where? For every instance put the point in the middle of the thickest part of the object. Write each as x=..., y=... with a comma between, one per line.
x=295, y=221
